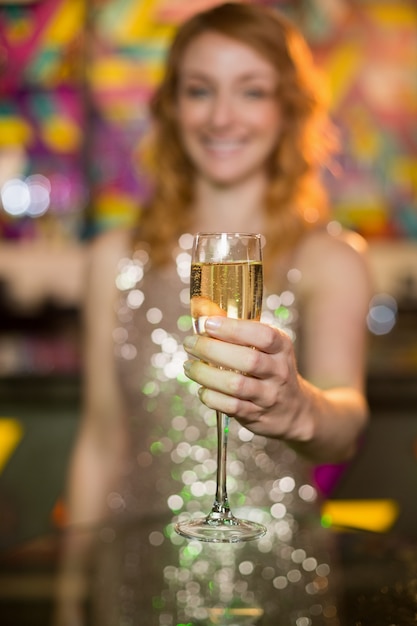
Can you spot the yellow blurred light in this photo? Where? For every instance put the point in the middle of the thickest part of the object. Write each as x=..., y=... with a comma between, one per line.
x=11, y=432
x=393, y=14
x=116, y=208
x=341, y=68
x=61, y=134
x=373, y=515
x=403, y=171
x=14, y=131
x=135, y=22
x=371, y=217
x=217, y=613
x=66, y=22
x=117, y=72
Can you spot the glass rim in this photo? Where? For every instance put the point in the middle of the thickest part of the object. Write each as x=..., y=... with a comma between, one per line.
x=227, y=234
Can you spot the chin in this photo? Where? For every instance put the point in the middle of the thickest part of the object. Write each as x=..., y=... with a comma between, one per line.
x=228, y=172
x=228, y=181
x=222, y=175
x=223, y=182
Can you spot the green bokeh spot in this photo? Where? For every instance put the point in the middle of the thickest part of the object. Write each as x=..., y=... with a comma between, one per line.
x=326, y=520
x=282, y=312
x=149, y=388
x=151, y=405
x=158, y=603
x=177, y=405
x=185, y=323
x=156, y=447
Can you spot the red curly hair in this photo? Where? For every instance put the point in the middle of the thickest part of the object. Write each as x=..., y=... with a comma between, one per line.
x=295, y=199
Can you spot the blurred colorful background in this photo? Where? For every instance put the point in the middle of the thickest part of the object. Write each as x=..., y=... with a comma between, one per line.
x=76, y=76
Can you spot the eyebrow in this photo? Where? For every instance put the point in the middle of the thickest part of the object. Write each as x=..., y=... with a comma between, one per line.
x=201, y=75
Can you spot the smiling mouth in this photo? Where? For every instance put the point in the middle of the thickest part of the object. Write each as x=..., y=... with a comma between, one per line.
x=223, y=147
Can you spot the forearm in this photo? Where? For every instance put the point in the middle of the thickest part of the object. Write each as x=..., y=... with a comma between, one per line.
x=95, y=470
x=94, y=467
x=328, y=423
x=85, y=504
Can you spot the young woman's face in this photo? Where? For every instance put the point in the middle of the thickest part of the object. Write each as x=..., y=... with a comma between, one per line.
x=228, y=115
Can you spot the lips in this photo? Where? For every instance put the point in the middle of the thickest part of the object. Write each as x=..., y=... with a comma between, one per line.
x=224, y=147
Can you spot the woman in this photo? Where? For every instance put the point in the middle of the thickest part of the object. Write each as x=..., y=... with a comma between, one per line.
x=239, y=136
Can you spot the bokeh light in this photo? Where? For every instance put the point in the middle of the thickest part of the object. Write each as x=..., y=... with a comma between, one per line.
x=382, y=315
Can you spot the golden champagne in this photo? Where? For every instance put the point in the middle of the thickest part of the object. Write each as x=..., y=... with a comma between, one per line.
x=231, y=289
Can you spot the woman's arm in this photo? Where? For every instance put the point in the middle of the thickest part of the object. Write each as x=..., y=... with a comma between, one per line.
x=98, y=452
x=322, y=412
x=101, y=439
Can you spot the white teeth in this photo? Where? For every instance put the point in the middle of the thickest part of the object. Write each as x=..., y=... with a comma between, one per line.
x=223, y=146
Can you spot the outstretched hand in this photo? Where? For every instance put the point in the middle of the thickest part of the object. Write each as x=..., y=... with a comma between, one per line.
x=248, y=370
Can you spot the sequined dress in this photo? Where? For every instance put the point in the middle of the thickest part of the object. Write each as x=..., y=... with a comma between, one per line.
x=282, y=578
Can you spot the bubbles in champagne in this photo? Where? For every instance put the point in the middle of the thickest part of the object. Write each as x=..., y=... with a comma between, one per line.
x=232, y=289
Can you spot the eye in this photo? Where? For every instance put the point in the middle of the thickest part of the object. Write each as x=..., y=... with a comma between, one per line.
x=196, y=92
x=257, y=93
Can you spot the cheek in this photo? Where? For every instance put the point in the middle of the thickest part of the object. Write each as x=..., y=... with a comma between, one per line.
x=265, y=120
x=189, y=116
x=271, y=119
x=271, y=129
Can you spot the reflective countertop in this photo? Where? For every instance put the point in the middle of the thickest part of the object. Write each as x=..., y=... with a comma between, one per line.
x=370, y=580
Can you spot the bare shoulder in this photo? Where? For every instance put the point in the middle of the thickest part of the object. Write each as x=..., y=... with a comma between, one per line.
x=108, y=247
x=104, y=254
x=337, y=260
x=343, y=243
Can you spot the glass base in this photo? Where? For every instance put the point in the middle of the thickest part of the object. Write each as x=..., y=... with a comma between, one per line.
x=220, y=529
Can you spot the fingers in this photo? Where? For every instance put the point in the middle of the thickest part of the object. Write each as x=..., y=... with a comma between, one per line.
x=245, y=332
x=242, y=366
x=246, y=412
x=247, y=370
x=231, y=393
x=203, y=307
x=228, y=356
x=232, y=384
x=240, y=345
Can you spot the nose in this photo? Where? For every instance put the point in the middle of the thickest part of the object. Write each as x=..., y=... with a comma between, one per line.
x=222, y=111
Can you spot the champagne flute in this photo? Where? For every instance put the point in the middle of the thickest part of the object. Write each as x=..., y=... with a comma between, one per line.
x=226, y=279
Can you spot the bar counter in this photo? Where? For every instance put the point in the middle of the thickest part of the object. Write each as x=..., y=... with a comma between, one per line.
x=143, y=573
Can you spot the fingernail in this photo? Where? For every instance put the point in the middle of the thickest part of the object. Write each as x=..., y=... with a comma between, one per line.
x=187, y=366
x=190, y=341
x=213, y=323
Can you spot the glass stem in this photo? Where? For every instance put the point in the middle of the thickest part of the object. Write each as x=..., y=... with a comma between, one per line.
x=221, y=503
